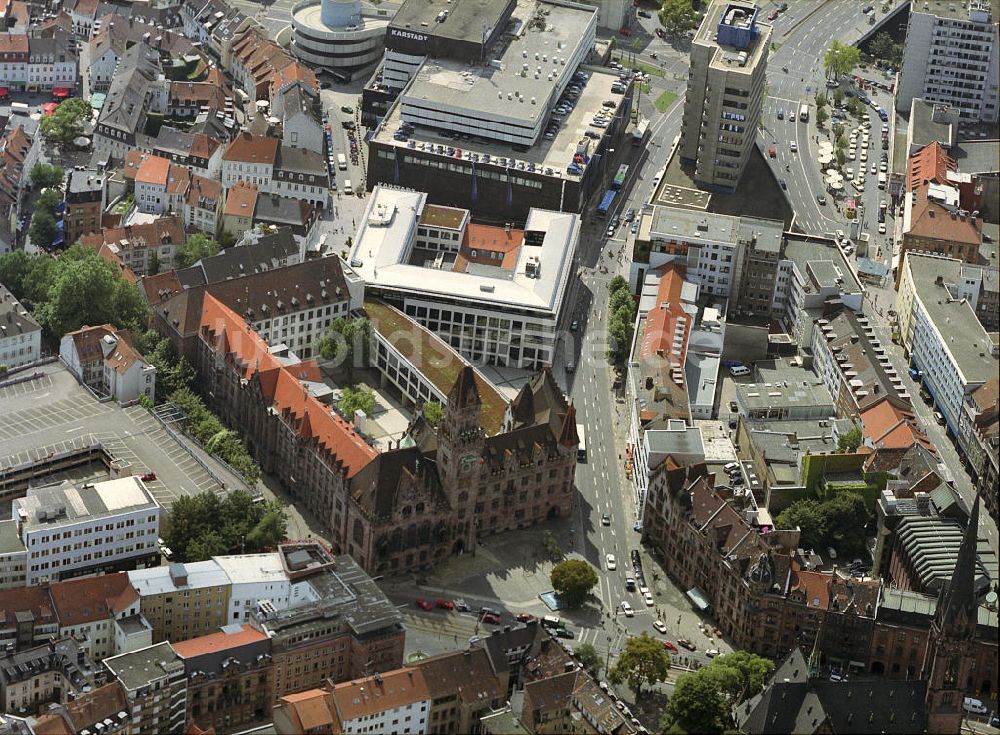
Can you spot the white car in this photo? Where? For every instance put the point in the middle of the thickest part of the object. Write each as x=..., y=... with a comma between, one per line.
x=648, y=597
x=793, y=146
x=852, y=154
x=612, y=564
x=627, y=609
x=660, y=626
x=712, y=652
x=874, y=169
x=881, y=228
x=850, y=172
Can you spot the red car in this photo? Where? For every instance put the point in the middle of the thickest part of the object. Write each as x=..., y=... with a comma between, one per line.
x=491, y=618
x=772, y=15
x=445, y=604
x=525, y=617
x=772, y=152
x=670, y=646
x=423, y=604
x=147, y=476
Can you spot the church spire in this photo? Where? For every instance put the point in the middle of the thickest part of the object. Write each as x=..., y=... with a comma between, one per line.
x=957, y=606
x=815, y=658
x=464, y=393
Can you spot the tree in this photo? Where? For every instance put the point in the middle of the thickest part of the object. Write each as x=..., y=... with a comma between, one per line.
x=821, y=116
x=197, y=247
x=43, y=176
x=885, y=49
x=839, y=59
x=15, y=267
x=838, y=522
x=677, y=16
x=358, y=398
x=346, y=343
x=740, y=675
x=433, y=413
x=621, y=297
x=821, y=100
x=89, y=290
x=838, y=96
x=848, y=442
x=572, y=581
x=589, y=657
x=66, y=122
x=697, y=705
x=644, y=661
x=42, y=230
x=841, y=157
x=807, y=517
x=205, y=525
x=616, y=284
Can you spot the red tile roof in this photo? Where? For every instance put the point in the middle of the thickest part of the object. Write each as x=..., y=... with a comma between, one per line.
x=84, y=600
x=889, y=426
x=240, y=200
x=667, y=320
x=229, y=335
x=160, y=287
x=930, y=163
x=294, y=72
x=248, y=148
x=813, y=587
x=218, y=641
x=397, y=689
x=13, y=43
x=933, y=220
x=485, y=240
x=311, y=710
x=153, y=170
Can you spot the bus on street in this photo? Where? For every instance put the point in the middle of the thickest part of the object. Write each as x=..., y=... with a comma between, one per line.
x=804, y=112
x=606, y=202
x=619, y=180
x=581, y=452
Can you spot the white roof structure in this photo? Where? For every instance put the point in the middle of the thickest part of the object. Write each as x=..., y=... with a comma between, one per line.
x=385, y=241
x=253, y=568
x=159, y=580
x=66, y=504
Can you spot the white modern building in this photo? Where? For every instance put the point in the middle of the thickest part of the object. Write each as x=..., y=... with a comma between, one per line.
x=494, y=294
x=13, y=557
x=20, y=334
x=510, y=98
x=939, y=328
x=255, y=579
x=70, y=531
x=341, y=35
x=952, y=56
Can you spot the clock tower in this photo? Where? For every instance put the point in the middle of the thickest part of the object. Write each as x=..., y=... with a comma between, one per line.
x=460, y=450
x=949, y=665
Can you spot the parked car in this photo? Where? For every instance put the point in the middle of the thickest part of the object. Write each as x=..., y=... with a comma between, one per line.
x=660, y=626
x=670, y=646
x=444, y=604
x=490, y=618
x=564, y=633
x=147, y=476
x=423, y=604
x=627, y=609
x=462, y=606
x=685, y=643
x=524, y=617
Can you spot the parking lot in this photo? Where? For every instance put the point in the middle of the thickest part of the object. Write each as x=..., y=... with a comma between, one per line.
x=53, y=414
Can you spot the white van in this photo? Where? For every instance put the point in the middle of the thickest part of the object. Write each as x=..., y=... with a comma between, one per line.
x=738, y=371
x=347, y=187
x=975, y=706
x=550, y=621
x=341, y=162
x=881, y=179
x=19, y=108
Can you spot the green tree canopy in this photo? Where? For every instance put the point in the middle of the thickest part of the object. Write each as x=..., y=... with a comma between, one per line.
x=838, y=522
x=697, y=706
x=433, y=413
x=885, y=49
x=740, y=675
x=208, y=524
x=573, y=580
x=44, y=175
x=840, y=59
x=644, y=661
x=197, y=247
x=677, y=16
x=848, y=442
x=589, y=657
x=42, y=229
x=821, y=100
x=821, y=116
x=66, y=122
x=15, y=267
x=616, y=284
x=204, y=426
x=347, y=343
x=357, y=398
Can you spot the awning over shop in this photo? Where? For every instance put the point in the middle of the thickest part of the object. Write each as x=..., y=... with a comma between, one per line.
x=698, y=598
x=4, y=92
x=61, y=91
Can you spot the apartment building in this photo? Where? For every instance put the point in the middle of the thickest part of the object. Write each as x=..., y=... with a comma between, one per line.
x=104, y=360
x=13, y=557
x=151, y=185
x=253, y=578
x=155, y=685
x=135, y=90
x=71, y=531
x=183, y=601
x=99, y=612
x=934, y=222
x=86, y=199
x=54, y=672
x=948, y=347
x=38, y=63
x=273, y=168
x=853, y=364
x=229, y=678
x=725, y=93
x=951, y=56
x=27, y=617
x=20, y=333
x=495, y=294
x=979, y=439
x=137, y=247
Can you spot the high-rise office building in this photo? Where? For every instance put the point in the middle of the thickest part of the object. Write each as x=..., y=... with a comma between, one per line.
x=725, y=93
x=952, y=56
